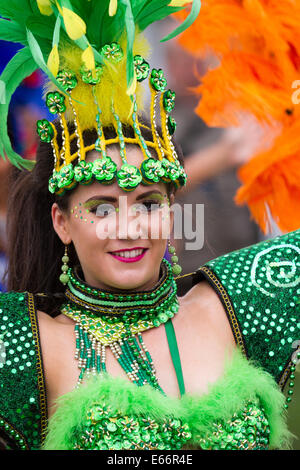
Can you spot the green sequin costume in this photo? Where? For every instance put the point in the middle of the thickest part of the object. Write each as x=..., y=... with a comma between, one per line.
x=259, y=287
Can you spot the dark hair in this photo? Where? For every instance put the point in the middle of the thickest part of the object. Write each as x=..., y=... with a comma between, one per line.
x=34, y=248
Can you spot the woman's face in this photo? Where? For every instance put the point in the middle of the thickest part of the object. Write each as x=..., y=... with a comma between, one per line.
x=104, y=220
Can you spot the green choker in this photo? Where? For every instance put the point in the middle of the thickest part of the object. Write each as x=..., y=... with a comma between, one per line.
x=158, y=304
x=106, y=318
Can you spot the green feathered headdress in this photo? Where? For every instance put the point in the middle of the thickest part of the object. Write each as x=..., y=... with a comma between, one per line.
x=48, y=28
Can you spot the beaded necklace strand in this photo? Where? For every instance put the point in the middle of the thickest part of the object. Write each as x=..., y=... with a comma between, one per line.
x=109, y=319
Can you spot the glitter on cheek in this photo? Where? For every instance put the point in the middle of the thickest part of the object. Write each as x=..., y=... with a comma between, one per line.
x=79, y=213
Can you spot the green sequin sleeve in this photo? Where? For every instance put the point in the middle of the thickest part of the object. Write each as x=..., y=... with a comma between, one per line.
x=22, y=391
x=259, y=287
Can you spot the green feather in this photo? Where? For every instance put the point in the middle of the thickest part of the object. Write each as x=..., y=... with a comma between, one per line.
x=130, y=30
x=2, y=92
x=56, y=33
x=17, y=10
x=38, y=27
x=21, y=66
x=138, y=6
x=11, y=31
x=150, y=8
x=156, y=15
x=187, y=22
x=100, y=23
x=84, y=9
x=39, y=59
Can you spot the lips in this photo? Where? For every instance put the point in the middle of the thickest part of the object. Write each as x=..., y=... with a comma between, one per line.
x=129, y=255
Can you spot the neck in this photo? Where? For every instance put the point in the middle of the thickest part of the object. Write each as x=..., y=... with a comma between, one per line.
x=148, y=286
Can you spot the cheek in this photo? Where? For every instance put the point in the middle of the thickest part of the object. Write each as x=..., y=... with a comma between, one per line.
x=83, y=233
x=159, y=224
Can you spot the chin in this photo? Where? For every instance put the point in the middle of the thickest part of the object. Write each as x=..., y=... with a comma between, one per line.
x=128, y=281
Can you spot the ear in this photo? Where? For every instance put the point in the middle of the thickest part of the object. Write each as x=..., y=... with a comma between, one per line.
x=60, y=224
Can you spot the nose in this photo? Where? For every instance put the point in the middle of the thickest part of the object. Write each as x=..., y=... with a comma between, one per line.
x=129, y=225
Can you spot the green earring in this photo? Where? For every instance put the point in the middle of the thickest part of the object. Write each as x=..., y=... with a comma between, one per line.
x=64, y=277
x=176, y=268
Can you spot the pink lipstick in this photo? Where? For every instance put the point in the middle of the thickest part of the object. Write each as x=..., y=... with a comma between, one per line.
x=129, y=259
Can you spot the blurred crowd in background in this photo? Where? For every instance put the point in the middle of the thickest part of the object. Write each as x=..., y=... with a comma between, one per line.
x=212, y=155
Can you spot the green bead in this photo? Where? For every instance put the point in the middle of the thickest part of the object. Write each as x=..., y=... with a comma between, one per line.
x=171, y=249
x=174, y=259
x=163, y=317
x=176, y=269
x=64, y=278
x=65, y=259
x=64, y=268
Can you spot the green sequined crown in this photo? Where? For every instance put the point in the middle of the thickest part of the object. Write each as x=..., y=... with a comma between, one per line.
x=93, y=53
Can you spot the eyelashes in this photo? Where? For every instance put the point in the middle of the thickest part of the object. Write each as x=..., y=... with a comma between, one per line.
x=103, y=210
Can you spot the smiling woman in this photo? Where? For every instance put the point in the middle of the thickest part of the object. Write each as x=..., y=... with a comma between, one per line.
x=119, y=285
x=100, y=351
x=30, y=206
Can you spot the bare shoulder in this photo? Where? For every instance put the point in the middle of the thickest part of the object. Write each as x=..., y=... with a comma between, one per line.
x=55, y=335
x=204, y=310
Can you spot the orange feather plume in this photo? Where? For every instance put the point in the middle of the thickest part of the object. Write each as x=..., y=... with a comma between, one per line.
x=257, y=44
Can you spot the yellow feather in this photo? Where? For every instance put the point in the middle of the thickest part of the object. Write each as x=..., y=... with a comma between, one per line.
x=132, y=87
x=59, y=8
x=53, y=61
x=88, y=58
x=75, y=26
x=113, y=87
x=45, y=7
x=113, y=5
x=179, y=3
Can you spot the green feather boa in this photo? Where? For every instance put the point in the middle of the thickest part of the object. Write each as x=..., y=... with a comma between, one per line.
x=242, y=381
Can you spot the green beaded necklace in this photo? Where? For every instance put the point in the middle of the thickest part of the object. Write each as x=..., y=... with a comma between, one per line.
x=108, y=319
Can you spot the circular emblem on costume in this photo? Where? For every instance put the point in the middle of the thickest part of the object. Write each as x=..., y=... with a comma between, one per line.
x=45, y=130
x=142, y=68
x=83, y=172
x=158, y=80
x=104, y=170
x=91, y=77
x=172, y=171
x=55, y=102
x=66, y=177
x=276, y=268
x=169, y=100
x=112, y=52
x=67, y=79
x=129, y=177
x=53, y=183
x=152, y=170
x=171, y=123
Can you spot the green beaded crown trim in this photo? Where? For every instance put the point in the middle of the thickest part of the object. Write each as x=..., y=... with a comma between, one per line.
x=104, y=170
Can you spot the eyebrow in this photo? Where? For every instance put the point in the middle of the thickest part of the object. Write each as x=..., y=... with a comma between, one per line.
x=113, y=199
